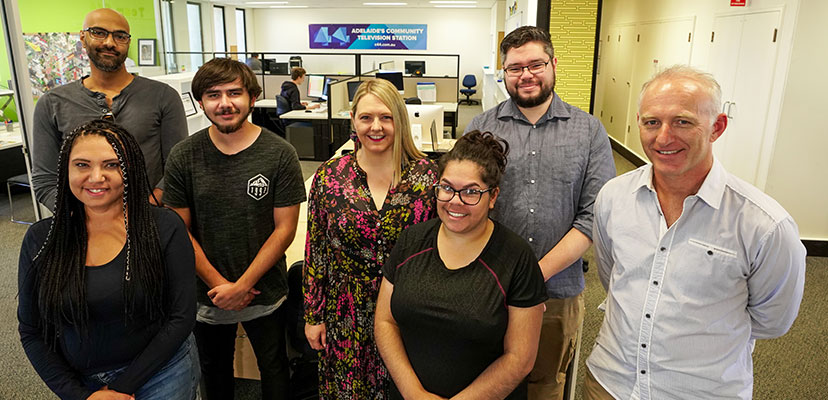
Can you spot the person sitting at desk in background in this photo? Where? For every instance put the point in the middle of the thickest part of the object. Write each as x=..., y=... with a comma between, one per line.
x=290, y=90
x=253, y=62
x=106, y=306
x=359, y=203
x=459, y=311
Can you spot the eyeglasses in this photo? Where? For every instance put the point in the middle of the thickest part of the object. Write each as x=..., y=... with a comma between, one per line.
x=534, y=69
x=119, y=37
x=469, y=197
x=108, y=116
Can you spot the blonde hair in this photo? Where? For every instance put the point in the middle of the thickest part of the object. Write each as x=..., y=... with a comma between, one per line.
x=404, y=149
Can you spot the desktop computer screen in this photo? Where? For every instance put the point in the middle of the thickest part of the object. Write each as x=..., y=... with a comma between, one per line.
x=328, y=82
x=394, y=77
x=416, y=68
x=430, y=121
x=352, y=89
x=316, y=85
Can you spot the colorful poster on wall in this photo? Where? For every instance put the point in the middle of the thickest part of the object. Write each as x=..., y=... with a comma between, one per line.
x=55, y=58
x=368, y=36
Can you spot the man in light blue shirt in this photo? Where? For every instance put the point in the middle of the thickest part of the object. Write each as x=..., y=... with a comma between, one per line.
x=696, y=262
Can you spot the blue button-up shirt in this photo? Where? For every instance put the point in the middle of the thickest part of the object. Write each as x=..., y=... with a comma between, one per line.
x=555, y=169
x=685, y=303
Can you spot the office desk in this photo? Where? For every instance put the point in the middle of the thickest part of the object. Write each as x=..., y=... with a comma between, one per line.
x=12, y=162
x=328, y=134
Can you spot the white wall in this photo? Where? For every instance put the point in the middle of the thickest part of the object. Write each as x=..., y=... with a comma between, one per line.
x=450, y=31
x=793, y=165
x=798, y=176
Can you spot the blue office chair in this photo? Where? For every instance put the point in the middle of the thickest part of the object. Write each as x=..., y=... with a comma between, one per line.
x=469, y=81
x=282, y=106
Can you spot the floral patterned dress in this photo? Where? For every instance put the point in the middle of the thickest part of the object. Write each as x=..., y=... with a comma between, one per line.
x=348, y=241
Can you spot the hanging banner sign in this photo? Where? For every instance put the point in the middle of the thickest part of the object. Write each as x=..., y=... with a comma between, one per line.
x=368, y=36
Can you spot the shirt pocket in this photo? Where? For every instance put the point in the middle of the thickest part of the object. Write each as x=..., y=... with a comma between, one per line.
x=713, y=270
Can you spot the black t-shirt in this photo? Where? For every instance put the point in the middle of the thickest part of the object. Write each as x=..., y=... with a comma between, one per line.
x=231, y=200
x=453, y=322
x=113, y=341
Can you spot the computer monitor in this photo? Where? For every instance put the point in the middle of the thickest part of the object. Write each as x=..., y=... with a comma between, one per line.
x=279, y=68
x=352, y=89
x=416, y=68
x=430, y=120
x=266, y=64
x=328, y=82
x=316, y=85
x=394, y=77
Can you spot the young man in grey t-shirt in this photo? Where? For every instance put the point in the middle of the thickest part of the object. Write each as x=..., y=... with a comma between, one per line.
x=238, y=188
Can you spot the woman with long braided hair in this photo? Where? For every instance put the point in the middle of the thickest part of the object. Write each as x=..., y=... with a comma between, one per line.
x=106, y=286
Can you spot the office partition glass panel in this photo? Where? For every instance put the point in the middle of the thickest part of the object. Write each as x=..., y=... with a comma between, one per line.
x=241, y=33
x=169, y=36
x=194, y=25
x=218, y=30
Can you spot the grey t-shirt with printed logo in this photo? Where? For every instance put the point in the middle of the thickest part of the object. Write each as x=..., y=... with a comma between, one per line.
x=231, y=200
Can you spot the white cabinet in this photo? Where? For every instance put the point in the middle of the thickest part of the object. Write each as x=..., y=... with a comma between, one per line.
x=743, y=61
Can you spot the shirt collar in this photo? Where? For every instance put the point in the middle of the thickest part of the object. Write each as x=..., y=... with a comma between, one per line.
x=711, y=190
x=557, y=109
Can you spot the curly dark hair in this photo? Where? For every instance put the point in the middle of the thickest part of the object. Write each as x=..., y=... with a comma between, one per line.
x=60, y=264
x=482, y=148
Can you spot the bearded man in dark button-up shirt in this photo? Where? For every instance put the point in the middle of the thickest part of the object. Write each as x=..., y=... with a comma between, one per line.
x=560, y=157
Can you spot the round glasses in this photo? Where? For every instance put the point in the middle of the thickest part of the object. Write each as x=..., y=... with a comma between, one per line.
x=119, y=37
x=534, y=68
x=469, y=197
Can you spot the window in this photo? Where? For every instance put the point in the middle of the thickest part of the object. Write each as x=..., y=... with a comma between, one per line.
x=219, y=35
x=196, y=45
x=167, y=34
x=241, y=34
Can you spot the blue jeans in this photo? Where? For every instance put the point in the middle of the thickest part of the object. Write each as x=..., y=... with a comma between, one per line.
x=178, y=379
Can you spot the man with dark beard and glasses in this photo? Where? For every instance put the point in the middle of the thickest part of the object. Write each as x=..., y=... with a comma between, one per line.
x=150, y=110
x=238, y=188
x=560, y=157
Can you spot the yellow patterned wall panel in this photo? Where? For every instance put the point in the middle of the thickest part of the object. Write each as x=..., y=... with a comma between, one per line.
x=572, y=25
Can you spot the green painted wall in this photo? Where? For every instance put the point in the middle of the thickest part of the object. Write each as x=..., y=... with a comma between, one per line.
x=67, y=16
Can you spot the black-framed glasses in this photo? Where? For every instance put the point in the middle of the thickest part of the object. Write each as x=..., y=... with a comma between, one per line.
x=469, y=197
x=119, y=37
x=534, y=68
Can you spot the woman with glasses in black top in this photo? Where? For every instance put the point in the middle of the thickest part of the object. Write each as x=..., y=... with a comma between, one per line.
x=460, y=307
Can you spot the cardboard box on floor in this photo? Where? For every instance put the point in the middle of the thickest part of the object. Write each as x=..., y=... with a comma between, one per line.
x=244, y=362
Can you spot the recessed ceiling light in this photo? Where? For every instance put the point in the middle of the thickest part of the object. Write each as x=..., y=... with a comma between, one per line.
x=384, y=4
x=452, y=2
x=266, y=2
x=455, y=6
x=288, y=7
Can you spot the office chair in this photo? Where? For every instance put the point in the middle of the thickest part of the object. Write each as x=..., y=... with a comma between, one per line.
x=282, y=106
x=19, y=180
x=469, y=81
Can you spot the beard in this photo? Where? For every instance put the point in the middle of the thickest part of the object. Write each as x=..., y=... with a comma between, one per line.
x=106, y=64
x=228, y=129
x=529, y=102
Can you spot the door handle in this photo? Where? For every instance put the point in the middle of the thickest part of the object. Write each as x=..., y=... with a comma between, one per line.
x=729, y=107
x=724, y=107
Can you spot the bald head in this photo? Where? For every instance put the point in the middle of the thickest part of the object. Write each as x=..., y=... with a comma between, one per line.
x=680, y=77
x=106, y=18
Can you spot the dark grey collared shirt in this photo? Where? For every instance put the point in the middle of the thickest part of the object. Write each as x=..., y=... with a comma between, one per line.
x=151, y=111
x=556, y=167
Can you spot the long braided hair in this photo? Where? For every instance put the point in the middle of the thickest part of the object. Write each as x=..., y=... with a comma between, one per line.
x=61, y=262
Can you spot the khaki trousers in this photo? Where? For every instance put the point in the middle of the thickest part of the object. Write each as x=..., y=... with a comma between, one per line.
x=558, y=338
x=593, y=390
